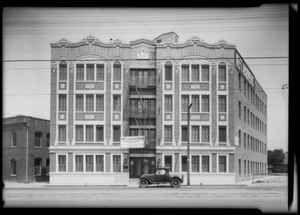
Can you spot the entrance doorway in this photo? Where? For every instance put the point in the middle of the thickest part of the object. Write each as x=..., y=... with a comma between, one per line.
x=141, y=165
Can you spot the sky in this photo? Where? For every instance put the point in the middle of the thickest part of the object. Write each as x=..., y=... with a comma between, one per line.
x=256, y=32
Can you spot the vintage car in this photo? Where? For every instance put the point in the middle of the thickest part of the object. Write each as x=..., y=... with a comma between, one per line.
x=161, y=176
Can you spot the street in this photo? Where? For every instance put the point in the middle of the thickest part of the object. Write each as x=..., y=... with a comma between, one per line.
x=265, y=198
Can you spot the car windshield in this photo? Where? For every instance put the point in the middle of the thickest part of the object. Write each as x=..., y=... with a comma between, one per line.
x=160, y=171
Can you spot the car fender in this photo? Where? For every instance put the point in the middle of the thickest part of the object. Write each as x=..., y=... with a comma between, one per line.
x=177, y=178
x=149, y=181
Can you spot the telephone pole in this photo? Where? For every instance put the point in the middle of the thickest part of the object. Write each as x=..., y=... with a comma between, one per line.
x=188, y=144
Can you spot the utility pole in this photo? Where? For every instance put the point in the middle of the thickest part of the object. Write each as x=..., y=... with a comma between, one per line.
x=188, y=144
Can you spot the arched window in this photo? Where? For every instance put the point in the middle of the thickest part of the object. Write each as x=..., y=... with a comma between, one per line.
x=222, y=72
x=38, y=139
x=63, y=71
x=117, y=71
x=13, y=167
x=168, y=71
x=37, y=166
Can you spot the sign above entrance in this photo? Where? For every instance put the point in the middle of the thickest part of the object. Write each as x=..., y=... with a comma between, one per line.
x=133, y=142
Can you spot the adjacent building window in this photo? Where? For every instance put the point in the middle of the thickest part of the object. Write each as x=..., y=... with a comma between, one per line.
x=79, y=72
x=117, y=103
x=100, y=72
x=48, y=140
x=89, y=103
x=168, y=133
x=168, y=71
x=222, y=164
x=205, y=133
x=168, y=103
x=89, y=133
x=240, y=110
x=99, y=102
x=183, y=163
x=205, y=103
x=222, y=134
x=116, y=133
x=90, y=72
x=195, y=163
x=205, y=73
x=14, y=138
x=62, y=102
x=89, y=163
x=79, y=102
x=99, y=133
x=185, y=73
x=38, y=139
x=184, y=134
x=62, y=133
x=169, y=162
x=117, y=71
x=195, y=73
x=222, y=103
x=240, y=138
x=184, y=103
x=78, y=163
x=222, y=72
x=79, y=133
x=205, y=163
x=37, y=166
x=62, y=163
x=240, y=167
x=195, y=101
x=240, y=82
x=116, y=163
x=245, y=114
x=13, y=167
x=99, y=163
x=195, y=133
x=63, y=71
x=47, y=166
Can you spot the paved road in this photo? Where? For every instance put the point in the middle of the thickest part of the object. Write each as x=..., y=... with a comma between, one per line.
x=267, y=199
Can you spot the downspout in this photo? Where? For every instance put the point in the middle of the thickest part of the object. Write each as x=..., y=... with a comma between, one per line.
x=26, y=166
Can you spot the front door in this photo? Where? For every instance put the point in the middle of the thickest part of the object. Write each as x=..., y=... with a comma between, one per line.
x=141, y=165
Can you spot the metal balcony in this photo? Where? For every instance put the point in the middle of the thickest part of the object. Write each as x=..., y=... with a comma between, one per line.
x=140, y=112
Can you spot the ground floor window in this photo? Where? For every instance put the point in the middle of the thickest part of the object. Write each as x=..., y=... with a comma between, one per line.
x=205, y=163
x=13, y=166
x=47, y=166
x=37, y=166
x=99, y=163
x=168, y=162
x=116, y=163
x=79, y=163
x=89, y=163
x=62, y=163
x=222, y=163
x=195, y=163
x=184, y=163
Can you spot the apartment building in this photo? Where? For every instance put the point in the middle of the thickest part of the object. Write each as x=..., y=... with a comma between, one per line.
x=102, y=93
x=25, y=148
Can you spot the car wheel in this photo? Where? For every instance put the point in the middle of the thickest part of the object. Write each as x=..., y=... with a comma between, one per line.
x=175, y=182
x=143, y=183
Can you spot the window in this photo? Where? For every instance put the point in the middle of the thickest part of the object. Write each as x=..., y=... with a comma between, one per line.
x=169, y=162
x=222, y=164
x=89, y=133
x=90, y=72
x=116, y=133
x=195, y=73
x=205, y=133
x=38, y=139
x=62, y=163
x=63, y=71
x=240, y=138
x=79, y=72
x=99, y=102
x=183, y=163
x=222, y=103
x=168, y=103
x=117, y=71
x=222, y=134
x=248, y=120
x=222, y=72
x=195, y=133
x=168, y=72
x=185, y=73
x=89, y=103
x=168, y=133
x=245, y=141
x=100, y=72
x=117, y=103
x=184, y=103
x=48, y=140
x=37, y=166
x=99, y=163
x=205, y=163
x=89, y=163
x=78, y=163
x=79, y=132
x=47, y=166
x=195, y=163
x=245, y=114
x=13, y=167
x=62, y=102
x=240, y=82
x=245, y=167
x=99, y=133
x=61, y=133
x=13, y=138
x=184, y=134
x=205, y=103
x=240, y=110
x=240, y=167
x=195, y=101
x=245, y=88
x=116, y=163
x=79, y=102
x=205, y=73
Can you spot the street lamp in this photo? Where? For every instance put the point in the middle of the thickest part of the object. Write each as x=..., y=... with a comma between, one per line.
x=188, y=144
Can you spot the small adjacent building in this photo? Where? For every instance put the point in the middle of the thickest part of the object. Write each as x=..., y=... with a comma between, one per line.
x=25, y=149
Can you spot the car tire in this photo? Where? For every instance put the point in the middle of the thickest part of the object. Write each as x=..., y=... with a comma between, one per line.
x=175, y=182
x=143, y=183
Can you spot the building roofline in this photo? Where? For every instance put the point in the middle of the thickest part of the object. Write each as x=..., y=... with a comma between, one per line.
x=23, y=116
x=165, y=34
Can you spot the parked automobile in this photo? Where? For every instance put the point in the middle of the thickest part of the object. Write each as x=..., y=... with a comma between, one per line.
x=161, y=175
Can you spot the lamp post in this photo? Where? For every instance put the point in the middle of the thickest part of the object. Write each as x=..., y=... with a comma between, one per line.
x=188, y=144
